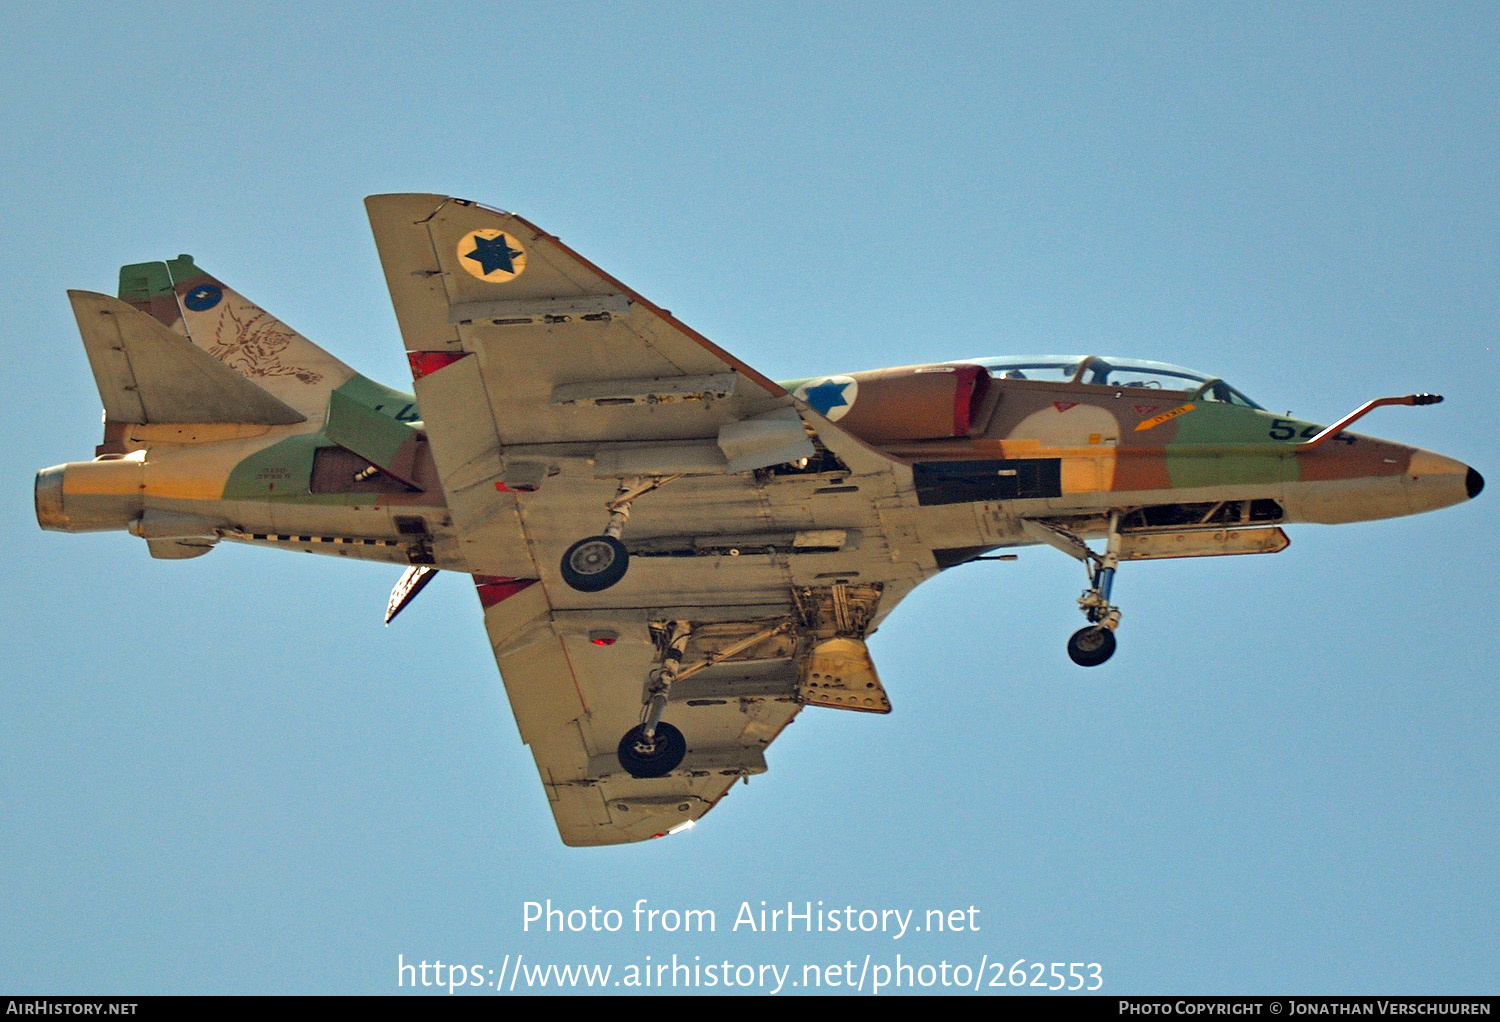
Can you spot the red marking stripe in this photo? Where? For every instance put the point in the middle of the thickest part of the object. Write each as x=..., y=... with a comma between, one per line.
x=1063, y=406
x=495, y=588
x=1145, y=409
x=425, y=363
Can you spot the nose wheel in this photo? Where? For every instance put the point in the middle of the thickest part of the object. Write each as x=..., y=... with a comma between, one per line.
x=1091, y=646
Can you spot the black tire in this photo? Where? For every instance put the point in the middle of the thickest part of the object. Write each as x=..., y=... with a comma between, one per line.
x=659, y=760
x=594, y=564
x=1091, y=646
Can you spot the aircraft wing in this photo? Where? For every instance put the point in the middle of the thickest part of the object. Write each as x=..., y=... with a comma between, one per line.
x=545, y=387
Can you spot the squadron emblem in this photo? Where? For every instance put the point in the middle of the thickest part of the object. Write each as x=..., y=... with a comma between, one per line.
x=203, y=297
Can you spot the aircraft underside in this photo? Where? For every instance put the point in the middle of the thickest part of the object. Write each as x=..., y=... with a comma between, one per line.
x=674, y=555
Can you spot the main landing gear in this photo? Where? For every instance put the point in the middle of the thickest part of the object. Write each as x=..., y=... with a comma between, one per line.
x=654, y=748
x=594, y=564
x=1090, y=646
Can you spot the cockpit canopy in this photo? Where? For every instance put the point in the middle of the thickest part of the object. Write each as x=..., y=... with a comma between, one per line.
x=1108, y=371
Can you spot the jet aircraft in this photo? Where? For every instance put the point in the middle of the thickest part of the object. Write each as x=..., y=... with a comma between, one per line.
x=674, y=554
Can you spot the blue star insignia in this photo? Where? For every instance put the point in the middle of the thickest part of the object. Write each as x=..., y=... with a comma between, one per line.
x=202, y=298
x=825, y=396
x=494, y=254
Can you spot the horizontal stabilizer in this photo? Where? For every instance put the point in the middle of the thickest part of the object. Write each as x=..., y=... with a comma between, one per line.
x=148, y=374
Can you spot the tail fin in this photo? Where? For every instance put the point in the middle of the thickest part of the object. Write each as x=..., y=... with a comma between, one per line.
x=236, y=331
x=252, y=342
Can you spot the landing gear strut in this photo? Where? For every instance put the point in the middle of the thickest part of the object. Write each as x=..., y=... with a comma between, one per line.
x=1092, y=645
x=653, y=748
x=594, y=564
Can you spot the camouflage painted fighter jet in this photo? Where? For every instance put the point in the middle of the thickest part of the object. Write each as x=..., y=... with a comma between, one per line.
x=674, y=554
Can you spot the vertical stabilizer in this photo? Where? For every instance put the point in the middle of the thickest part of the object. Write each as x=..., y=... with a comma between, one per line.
x=238, y=333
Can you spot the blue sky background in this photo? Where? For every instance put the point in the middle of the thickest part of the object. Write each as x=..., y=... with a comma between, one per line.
x=225, y=775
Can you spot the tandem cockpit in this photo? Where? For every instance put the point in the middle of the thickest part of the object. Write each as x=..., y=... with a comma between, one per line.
x=1109, y=371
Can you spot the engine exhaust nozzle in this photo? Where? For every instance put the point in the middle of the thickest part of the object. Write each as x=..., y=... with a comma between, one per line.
x=91, y=496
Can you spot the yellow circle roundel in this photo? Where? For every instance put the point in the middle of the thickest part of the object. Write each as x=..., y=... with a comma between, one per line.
x=492, y=255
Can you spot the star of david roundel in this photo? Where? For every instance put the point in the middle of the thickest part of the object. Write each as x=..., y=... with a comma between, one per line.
x=832, y=396
x=492, y=255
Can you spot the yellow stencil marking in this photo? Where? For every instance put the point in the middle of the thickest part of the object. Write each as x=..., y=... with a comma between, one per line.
x=492, y=255
x=1157, y=420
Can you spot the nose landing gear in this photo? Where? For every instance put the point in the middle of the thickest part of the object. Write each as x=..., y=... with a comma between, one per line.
x=1090, y=646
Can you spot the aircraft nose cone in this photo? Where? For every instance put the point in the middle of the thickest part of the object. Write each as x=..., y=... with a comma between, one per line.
x=1475, y=482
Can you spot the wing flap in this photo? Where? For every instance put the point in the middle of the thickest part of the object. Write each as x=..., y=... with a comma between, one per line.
x=550, y=700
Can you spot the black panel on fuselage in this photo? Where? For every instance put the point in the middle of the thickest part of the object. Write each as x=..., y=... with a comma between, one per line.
x=969, y=482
